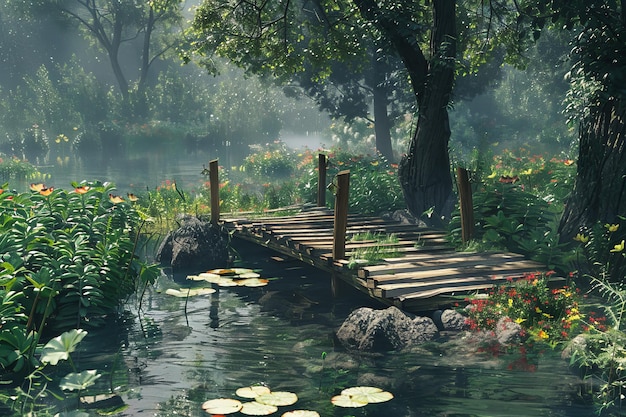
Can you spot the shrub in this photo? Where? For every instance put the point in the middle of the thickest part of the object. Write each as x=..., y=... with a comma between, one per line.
x=547, y=314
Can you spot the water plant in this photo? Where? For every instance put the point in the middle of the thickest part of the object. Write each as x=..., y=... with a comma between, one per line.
x=68, y=261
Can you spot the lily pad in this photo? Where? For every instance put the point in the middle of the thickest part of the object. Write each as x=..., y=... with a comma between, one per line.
x=249, y=275
x=278, y=398
x=61, y=346
x=347, y=401
x=79, y=381
x=222, y=271
x=253, y=391
x=189, y=292
x=301, y=413
x=370, y=395
x=254, y=408
x=222, y=406
x=204, y=277
x=252, y=282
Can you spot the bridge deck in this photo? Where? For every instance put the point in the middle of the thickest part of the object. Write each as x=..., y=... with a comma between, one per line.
x=426, y=273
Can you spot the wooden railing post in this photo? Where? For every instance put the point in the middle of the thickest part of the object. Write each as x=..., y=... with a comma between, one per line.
x=466, y=204
x=321, y=180
x=341, y=215
x=214, y=182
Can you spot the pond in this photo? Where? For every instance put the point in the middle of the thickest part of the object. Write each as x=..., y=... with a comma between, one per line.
x=174, y=354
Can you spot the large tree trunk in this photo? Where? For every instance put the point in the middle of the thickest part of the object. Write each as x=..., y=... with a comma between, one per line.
x=599, y=193
x=382, y=124
x=425, y=170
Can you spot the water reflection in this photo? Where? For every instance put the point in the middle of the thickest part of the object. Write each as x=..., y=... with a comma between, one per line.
x=234, y=338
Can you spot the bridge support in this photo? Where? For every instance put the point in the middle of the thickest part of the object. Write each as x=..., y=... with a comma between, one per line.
x=341, y=215
x=321, y=180
x=214, y=181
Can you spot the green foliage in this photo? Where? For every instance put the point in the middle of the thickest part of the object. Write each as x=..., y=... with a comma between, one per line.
x=273, y=163
x=374, y=185
x=68, y=260
x=17, y=170
x=517, y=205
x=602, y=252
x=602, y=355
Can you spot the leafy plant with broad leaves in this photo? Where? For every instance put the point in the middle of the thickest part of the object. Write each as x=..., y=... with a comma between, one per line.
x=67, y=260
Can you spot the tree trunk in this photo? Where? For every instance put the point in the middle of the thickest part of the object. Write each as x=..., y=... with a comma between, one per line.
x=599, y=193
x=382, y=124
x=425, y=170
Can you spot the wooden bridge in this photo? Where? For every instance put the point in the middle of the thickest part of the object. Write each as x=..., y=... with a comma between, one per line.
x=425, y=272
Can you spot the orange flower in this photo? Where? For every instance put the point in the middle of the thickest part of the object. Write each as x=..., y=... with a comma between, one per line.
x=115, y=199
x=132, y=197
x=568, y=162
x=46, y=191
x=82, y=189
x=37, y=187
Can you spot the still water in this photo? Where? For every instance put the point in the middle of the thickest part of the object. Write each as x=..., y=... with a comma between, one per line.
x=175, y=355
x=171, y=355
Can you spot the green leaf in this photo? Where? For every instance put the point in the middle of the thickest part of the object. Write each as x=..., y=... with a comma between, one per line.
x=61, y=346
x=79, y=381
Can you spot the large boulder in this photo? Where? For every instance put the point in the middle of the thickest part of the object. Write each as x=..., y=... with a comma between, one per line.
x=370, y=330
x=196, y=245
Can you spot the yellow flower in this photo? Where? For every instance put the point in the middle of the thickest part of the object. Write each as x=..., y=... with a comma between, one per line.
x=612, y=227
x=537, y=310
x=581, y=238
x=542, y=334
x=527, y=172
x=618, y=248
x=573, y=317
x=519, y=320
x=510, y=302
x=492, y=175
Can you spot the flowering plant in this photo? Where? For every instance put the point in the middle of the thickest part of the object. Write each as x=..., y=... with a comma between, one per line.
x=546, y=314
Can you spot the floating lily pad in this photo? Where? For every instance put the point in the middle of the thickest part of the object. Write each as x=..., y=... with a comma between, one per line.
x=252, y=282
x=368, y=394
x=205, y=276
x=254, y=408
x=222, y=406
x=249, y=275
x=347, y=401
x=253, y=391
x=301, y=413
x=278, y=398
x=189, y=292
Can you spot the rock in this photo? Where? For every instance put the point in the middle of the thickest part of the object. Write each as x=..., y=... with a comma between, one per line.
x=577, y=344
x=370, y=330
x=196, y=245
x=450, y=320
x=508, y=332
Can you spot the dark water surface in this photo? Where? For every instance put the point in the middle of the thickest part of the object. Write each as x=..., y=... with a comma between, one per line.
x=281, y=336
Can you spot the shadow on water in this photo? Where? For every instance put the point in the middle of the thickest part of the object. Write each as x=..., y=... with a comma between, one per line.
x=281, y=336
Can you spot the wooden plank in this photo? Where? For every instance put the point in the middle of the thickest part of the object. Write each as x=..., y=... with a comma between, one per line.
x=483, y=270
x=453, y=284
x=429, y=263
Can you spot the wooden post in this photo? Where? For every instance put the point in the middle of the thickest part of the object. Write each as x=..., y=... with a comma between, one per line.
x=466, y=204
x=214, y=182
x=321, y=180
x=341, y=215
